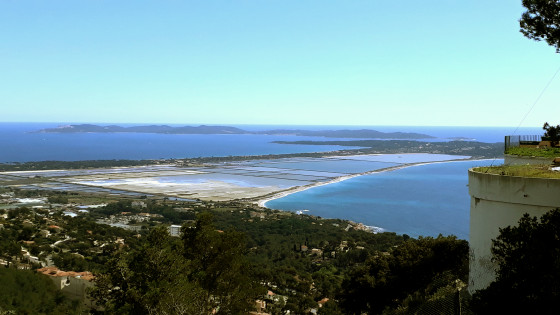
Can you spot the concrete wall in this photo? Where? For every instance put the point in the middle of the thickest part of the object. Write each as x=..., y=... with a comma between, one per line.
x=74, y=288
x=499, y=201
x=524, y=160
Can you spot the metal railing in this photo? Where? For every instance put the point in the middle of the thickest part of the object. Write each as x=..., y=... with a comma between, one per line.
x=516, y=141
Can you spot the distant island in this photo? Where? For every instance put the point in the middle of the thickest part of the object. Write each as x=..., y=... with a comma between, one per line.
x=203, y=129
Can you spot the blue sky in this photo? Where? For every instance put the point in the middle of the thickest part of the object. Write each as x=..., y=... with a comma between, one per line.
x=408, y=62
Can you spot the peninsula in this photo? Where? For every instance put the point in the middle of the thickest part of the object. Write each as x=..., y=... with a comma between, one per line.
x=204, y=129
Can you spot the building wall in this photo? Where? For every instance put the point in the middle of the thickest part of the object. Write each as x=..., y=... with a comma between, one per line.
x=175, y=230
x=500, y=201
x=524, y=160
x=74, y=288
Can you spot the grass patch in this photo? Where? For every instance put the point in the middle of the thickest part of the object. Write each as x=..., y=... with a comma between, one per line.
x=550, y=152
x=540, y=171
x=91, y=200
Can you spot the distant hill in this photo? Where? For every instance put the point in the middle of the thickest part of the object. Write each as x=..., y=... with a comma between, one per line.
x=346, y=133
x=146, y=129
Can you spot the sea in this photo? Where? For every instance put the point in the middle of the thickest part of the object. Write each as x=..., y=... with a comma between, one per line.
x=424, y=200
x=20, y=142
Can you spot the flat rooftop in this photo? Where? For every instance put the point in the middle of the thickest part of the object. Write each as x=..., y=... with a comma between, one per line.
x=537, y=152
x=536, y=171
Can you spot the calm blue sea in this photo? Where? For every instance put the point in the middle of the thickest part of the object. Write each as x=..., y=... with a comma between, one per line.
x=18, y=143
x=421, y=200
x=482, y=134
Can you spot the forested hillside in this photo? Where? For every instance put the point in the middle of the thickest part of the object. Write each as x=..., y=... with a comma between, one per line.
x=231, y=255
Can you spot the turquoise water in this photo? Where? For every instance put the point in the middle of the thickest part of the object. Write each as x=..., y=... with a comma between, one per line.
x=423, y=200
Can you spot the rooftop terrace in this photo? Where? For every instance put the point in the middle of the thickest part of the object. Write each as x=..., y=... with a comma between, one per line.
x=540, y=152
x=536, y=171
x=530, y=145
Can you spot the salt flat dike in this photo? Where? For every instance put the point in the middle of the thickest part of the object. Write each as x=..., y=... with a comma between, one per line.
x=164, y=129
x=254, y=181
x=477, y=150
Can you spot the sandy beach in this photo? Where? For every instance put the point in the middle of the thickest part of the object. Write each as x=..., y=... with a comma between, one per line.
x=262, y=202
x=253, y=181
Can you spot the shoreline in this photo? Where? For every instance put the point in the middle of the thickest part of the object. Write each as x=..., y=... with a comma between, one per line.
x=261, y=202
x=219, y=189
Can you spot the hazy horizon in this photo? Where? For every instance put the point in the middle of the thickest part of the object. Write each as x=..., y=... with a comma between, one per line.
x=63, y=123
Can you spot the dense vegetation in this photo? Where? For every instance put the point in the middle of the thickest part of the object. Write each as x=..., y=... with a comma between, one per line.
x=26, y=292
x=415, y=270
x=78, y=235
x=542, y=21
x=232, y=254
x=54, y=165
x=551, y=132
x=166, y=210
x=203, y=273
x=472, y=148
x=528, y=274
x=357, y=271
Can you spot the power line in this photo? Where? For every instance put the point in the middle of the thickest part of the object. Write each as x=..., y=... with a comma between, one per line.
x=537, y=100
x=532, y=107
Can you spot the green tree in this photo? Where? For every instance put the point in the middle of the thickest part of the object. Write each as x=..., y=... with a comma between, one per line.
x=202, y=274
x=330, y=308
x=70, y=262
x=26, y=292
x=58, y=199
x=150, y=280
x=385, y=280
x=528, y=272
x=542, y=21
x=219, y=266
x=552, y=133
x=9, y=247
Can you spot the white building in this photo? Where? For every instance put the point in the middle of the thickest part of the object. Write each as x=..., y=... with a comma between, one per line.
x=498, y=201
x=175, y=230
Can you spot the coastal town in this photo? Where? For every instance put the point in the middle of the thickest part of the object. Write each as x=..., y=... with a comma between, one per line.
x=59, y=236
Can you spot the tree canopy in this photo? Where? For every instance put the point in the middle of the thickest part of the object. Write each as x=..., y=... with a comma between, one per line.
x=416, y=268
x=233, y=255
x=542, y=21
x=528, y=275
x=204, y=274
x=552, y=133
x=26, y=292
